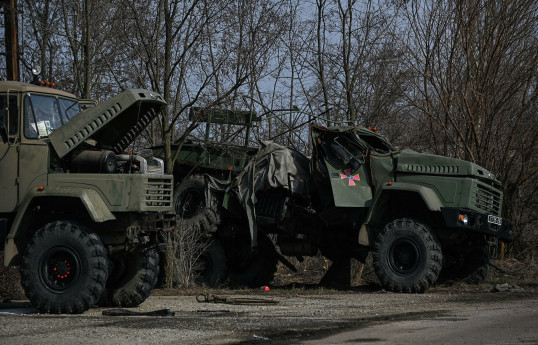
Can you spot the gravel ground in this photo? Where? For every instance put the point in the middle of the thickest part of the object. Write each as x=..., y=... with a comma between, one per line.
x=296, y=318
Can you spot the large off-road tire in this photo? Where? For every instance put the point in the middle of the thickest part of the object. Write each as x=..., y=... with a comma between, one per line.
x=64, y=268
x=214, y=264
x=191, y=206
x=132, y=278
x=260, y=268
x=407, y=256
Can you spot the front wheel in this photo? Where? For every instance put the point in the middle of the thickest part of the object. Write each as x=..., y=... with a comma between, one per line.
x=407, y=256
x=64, y=268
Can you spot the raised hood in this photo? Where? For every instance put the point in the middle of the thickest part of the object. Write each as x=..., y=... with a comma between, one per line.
x=113, y=124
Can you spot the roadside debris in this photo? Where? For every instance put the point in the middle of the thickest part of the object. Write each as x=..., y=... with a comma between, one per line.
x=125, y=312
x=258, y=337
x=210, y=298
x=507, y=288
x=18, y=311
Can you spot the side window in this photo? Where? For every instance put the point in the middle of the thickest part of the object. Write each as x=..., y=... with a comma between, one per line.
x=13, y=116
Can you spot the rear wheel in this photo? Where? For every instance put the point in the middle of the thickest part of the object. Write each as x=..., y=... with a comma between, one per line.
x=132, y=278
x=407, y=256
x=214, y=264
x=255, y=269
x=191, y=206
x=64, y=268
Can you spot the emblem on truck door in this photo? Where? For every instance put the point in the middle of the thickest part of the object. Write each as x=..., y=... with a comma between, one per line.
x=351, y=178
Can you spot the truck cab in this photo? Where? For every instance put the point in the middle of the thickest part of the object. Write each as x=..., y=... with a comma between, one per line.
x=71, y=187
x=28, y=114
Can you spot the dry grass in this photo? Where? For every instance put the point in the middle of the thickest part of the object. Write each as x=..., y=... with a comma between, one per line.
x=511, y=271
x=10, y=282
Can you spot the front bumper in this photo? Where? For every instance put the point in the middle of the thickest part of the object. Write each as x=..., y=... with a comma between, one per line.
x=478, y=222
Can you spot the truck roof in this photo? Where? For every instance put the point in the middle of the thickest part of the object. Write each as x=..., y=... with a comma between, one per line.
x=5, y=86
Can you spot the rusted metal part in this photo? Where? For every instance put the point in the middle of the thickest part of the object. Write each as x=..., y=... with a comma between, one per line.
x=210, y=298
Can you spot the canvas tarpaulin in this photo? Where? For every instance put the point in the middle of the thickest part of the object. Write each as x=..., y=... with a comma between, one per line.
x=274, y=166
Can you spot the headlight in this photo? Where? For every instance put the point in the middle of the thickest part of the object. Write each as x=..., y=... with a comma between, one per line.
x=463, y=219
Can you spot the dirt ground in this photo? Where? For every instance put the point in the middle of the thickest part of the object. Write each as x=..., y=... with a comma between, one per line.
x=303, y=313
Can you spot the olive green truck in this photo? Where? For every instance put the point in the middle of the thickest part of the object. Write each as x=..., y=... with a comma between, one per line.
x=422, y=216
x=81, y=215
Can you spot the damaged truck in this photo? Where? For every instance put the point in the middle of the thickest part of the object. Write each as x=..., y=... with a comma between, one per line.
x=81, y=215
x=418, y=214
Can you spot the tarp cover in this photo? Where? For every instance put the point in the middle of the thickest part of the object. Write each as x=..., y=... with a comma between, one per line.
x=274, y=166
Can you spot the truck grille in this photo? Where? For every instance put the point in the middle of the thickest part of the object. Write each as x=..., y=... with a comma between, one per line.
x=487, y=198
x=158, y=192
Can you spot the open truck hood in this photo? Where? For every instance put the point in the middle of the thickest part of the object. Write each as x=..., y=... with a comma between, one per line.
x=113, y=124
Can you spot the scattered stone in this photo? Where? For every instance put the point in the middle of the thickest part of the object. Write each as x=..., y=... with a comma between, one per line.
x=507, y=288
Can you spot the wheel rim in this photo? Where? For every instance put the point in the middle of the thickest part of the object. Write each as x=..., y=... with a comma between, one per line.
x=59, y=269
x=189, y=203
x=404, y=256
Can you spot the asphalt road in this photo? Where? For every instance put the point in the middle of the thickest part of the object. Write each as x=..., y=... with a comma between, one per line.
x=506, y=323
x=352, y=317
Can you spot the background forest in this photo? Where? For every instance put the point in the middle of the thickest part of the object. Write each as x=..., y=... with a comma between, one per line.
x=450, y=77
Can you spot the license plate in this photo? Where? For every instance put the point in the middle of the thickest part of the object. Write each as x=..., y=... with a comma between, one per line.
x=495, y=220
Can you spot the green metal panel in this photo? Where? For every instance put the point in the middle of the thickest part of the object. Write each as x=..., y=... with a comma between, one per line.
x=112, y=188
x=223, y=116
x=9, y=157
x=33, y=166
x=115, y=122
x=123, y=192
x=448, y=189
x=351, y=187
x=382, y=168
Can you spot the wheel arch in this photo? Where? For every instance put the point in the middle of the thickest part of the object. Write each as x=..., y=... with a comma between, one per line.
x=400, y=199
x=42, y=207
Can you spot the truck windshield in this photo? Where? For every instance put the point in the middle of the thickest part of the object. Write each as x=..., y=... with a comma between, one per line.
x=45, y=113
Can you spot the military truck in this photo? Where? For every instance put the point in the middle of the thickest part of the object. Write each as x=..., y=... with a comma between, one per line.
x=221, y=158
x=418, y=214
x=79, y=213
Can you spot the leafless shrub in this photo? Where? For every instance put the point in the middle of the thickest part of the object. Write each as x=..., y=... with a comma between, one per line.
x=185, y=257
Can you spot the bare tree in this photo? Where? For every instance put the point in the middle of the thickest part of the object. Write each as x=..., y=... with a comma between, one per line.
x=473, y=85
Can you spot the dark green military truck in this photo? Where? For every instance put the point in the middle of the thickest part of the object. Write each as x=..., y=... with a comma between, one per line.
x=418, y=214
x=79, y=213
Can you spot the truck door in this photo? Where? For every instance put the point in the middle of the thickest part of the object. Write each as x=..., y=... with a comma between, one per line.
x=9, y=152
x=34, y=150
x=350, y=184
x=350, y=181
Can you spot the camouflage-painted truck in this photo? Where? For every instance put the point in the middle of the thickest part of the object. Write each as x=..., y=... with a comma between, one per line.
x=418, y=214
x=80, y=215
